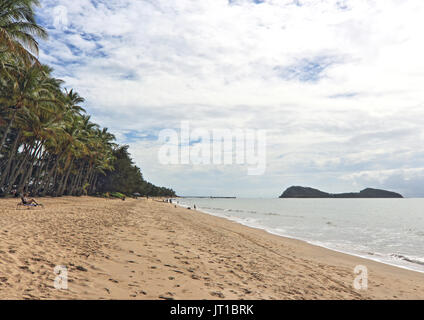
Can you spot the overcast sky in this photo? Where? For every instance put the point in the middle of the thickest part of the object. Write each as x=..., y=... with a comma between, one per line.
x=338, y=85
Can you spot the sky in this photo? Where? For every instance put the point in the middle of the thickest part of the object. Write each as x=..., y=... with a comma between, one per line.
x=337, y=85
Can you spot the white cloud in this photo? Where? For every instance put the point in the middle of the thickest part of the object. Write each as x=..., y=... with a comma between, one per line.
x=338, y=84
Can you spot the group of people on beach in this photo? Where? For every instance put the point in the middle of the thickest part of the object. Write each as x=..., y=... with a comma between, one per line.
x=171, y=201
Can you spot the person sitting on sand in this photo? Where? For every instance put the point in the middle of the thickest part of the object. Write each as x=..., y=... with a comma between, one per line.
x=27, y=201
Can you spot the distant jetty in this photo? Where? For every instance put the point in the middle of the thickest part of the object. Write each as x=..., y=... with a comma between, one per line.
x=306, y=192
x=208, y=197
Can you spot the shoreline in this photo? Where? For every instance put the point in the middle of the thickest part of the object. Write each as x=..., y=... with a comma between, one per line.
x=330, y=252
x=309, y=242
x=147, y=249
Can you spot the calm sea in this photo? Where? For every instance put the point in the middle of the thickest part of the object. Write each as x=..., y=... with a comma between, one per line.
x=386, y=230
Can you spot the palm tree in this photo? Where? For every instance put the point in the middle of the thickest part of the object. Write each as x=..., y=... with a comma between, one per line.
x=72, y=100
x=49, y=145
x=18, y=28
x=27, y=87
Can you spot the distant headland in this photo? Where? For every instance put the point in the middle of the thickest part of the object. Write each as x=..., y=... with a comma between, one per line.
x=305, y=192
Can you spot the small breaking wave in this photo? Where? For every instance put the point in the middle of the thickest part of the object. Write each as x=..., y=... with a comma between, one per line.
x=419, y=261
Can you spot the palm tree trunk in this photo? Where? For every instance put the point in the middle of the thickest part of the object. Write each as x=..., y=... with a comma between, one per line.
x=75, y=182
x=25, y=181
x=42, y=180
x=65, y=181
x=86, y=178
x=12, y=155
x=78, y=185
x=9, y=126
x=94, y=186
x=51, y=174
x=40, y=169
x=90, y=182
x=17, y=170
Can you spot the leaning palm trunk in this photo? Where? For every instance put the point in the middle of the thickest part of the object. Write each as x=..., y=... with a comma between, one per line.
x=41, y=179
x=9, y=126
x=58, y=182
x=77, y=182
x=37, y=177
x=65, y=180
x=74, y=184
x=93, y=186
x=90, y=182
x=23, y=185
x=17, y=170
x=12, y=155
x=48, y=179
x=86, y=178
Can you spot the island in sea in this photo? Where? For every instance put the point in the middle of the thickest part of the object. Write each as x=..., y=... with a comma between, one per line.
x=306, y=192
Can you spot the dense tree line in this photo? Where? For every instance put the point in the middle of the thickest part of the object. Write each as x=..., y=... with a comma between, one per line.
x=48, y=145
x=127, y=178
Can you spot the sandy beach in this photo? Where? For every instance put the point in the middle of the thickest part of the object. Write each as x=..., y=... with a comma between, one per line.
x=145, y=249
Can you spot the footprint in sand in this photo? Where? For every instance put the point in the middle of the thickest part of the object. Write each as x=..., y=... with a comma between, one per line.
x=217, y=294
x=168, y=296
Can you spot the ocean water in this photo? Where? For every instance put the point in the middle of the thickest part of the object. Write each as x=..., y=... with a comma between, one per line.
x=386, y=230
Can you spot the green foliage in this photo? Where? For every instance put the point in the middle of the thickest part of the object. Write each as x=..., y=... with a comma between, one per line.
x=117, y=195
x=18, y=29
x=48, y=144
x=85, y=188
x=126, y=177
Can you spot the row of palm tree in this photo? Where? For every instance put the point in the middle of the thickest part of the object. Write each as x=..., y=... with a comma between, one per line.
x=48, y=145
